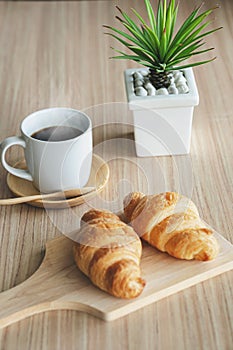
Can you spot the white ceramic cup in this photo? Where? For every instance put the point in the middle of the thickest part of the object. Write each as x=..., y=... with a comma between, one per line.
x=53, y=166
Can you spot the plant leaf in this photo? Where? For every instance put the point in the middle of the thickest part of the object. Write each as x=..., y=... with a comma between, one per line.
x=159, y=20
x=184, y=33
x=136, y=40
x=147, y=55
x=182, y=30
x=151, y=15
x=133, y=58
x=185, y=57
x=187, y=49
x=188, y=20
x=207, y=33
x=140, y=37
x=139, y=52
x=153, y=37
x=194, y=64
x=172, y=24
x=163, y=45
x=130, y=22
x=125, y=35
x=164, y=13
x=138, y=16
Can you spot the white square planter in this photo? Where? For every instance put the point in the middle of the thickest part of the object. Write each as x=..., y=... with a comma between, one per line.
x=162, y=123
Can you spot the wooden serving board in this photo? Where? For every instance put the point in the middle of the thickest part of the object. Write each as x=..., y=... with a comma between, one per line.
x=58, y=284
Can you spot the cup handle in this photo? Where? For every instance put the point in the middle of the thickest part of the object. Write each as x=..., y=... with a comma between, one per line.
x=7, y=143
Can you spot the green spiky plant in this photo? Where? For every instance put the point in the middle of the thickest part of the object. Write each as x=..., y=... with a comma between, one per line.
x=156, y=45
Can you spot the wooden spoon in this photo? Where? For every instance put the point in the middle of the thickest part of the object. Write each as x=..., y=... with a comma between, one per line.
x=55, y=195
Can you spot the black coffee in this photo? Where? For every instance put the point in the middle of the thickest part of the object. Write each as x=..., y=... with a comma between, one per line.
x=57, y=133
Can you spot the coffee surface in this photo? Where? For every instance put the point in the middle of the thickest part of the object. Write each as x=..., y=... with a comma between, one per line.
x=56, y=133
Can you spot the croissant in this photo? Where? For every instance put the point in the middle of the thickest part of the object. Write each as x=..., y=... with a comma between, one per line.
x=108, y=251
x=170, y=222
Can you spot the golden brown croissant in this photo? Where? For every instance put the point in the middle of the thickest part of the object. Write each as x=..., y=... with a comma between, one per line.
x=108, y=251
x=171, y=223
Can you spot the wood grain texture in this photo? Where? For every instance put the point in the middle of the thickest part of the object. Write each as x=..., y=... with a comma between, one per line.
x=55, y=54
x=58, y=283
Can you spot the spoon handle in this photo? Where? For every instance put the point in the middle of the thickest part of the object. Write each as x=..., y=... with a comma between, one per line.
x=55, y=195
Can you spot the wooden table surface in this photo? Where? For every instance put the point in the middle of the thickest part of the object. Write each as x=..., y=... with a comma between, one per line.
x=55, y=54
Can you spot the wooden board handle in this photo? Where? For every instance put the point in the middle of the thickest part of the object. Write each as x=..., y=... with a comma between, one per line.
x=41, y=291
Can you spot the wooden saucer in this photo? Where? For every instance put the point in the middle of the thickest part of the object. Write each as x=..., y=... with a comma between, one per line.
x=98, y=178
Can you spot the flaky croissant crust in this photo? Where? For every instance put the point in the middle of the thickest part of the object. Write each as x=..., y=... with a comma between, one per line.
x=108, y=251
x=171, y=223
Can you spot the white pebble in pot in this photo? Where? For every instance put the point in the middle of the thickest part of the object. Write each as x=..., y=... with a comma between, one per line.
x=144, y=72
x=183, y=89
x=173, y=89
x=140, y=91
x=177, y=74
x=162, y=91
x=150, y=89
x=138, y=75
x=180, y=81
x=172, y=80
x=138, y=82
